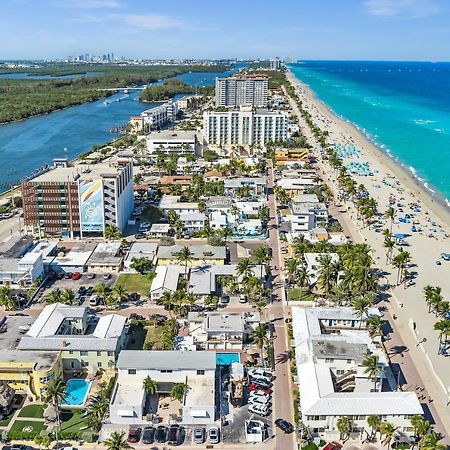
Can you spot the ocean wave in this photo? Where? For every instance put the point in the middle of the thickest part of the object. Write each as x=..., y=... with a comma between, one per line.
x=428, y=188
x=413, y=171
x=423, y=121
x=439, y=130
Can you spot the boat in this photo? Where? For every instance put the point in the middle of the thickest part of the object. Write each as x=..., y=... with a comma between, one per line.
x=106, y=103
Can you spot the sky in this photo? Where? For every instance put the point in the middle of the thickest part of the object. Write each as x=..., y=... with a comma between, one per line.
x=301, y=29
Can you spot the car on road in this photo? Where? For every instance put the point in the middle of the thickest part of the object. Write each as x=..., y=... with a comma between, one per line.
x=148, y=435
x=76, y=276
x=333, y=446
x=199, y=435
x=213, y=435
x=284, y=425
x=242, y=298
x=262, y=410
x=134, y=435
x=161, y=434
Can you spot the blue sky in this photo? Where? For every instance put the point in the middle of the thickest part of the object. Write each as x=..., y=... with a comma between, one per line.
x=304, y=29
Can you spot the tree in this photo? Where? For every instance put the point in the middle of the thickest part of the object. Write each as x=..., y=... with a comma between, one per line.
x=226, y=233
x=178, y=391
x=117, y=441
x=53, y=297
x=328, y=275
x=184, y=256
x=361, y=306
x=443, y=326
x=344, y=427
x=375, y=325
x=263, y=213
x=390, y=214
x=244, y=268
x=388, y=431
x=67, y=296
x=112, y=233
x=421, y=426
x=259, y=337
x=372, y=368
x=388, y=244
x=43, y=440
x=6, y=298
x=120, y=291
x=55, y=393
x=141, y=265
x=261, y=255
x=102, y=289
x=150, y=386
x=374, y=422
x=430, y=441
x=400, y=261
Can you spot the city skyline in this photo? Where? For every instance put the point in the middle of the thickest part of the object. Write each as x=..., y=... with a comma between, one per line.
x=352, y=29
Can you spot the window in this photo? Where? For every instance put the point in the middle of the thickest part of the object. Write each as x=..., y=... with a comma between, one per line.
x=131, y=371
x=83, y=353
x=70, y=352
x=84, y=364
x=110, y=353
x=165, y=371
x=200, y=372
x=349, y=361
x=329, y=360
x=99, y=364
x=99, y=353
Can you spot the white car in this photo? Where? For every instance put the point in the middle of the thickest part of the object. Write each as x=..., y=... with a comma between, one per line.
x=259, y=400
x=259, y=394
x=259, y=409
x=260, y=372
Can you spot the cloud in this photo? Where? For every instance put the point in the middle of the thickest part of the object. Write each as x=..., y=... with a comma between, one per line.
x=150, y=22
x=87, y=4
x=406, y=9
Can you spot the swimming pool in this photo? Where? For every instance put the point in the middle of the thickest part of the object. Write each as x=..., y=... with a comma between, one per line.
x=225, y=359
x=77, y=391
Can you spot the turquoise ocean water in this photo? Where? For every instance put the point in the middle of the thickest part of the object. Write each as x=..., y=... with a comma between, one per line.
x=403, y=107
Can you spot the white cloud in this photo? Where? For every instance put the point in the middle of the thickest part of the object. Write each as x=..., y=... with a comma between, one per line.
x=87, y=4
x=406, y=9
x=150, y=21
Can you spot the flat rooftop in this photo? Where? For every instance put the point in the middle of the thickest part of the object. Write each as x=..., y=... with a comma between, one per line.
x=232, y=322
x=200, y=392
x=16, y=327
x=171, y=135
x=339, y=349
x=44, y=360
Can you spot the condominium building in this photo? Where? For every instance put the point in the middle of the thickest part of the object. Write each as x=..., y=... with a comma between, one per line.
x=275, y=64
x=244, y=127
x=242, y=90
x=158, y=116
x=173, y=142
x=80, y=200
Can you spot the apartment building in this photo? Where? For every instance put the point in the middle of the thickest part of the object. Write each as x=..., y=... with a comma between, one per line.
x=173, y=142
x=80, y=200
x=244, y=127
x=331, y=345
x=248, y=89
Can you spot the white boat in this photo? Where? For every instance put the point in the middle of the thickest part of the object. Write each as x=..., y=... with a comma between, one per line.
x=106, y=103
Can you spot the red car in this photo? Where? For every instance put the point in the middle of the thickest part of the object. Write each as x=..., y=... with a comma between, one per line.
x=253, y=387
x=76, y=276
x=333, y=446
x=134, y=435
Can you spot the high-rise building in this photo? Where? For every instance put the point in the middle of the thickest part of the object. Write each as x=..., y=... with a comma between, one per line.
x=81, y=200
x=249, y=89
x=244, y=127
x=275, y=64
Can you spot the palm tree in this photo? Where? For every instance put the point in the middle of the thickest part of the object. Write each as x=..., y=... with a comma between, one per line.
x=300, y=246
x=361, y=306
x=344, y=427
x=184, y=256
x=150, y=386
x=421, y=426
x=430, y=441
x=53, y=296
x=102, y=289
x=372, y=368
x=375, y=325
x=67, y=296
x=374, y=422
x=388, y=431
x=178, y=391
x=55, y=393
x=259, y=337
x=400, y=261
x=6, y=298
x=226, y=233
x=43, y=441
x=112, y=232
x=261, y=255
x=166, y=300
x=388, y=244
x=443, y=326
x=244, y=268
x=390, y=214
x=235, y=211
x=117, y=441
x=120, y=291
x=327, y=279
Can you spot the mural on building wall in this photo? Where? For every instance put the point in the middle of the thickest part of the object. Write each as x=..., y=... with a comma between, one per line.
x=91, y=205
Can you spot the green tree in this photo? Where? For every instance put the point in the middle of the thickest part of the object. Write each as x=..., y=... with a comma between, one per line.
x=6, y=298
x=375, y=325
x=44, y=441
x=390, y=214
x=112, y=233
x=120, y=291
x=387, y=431
x=67, y=296
x=361, y=306
x=245, y=268
x=178, y=391
x=184, y=256
x=344, y=427
x=102, y=289
x=259, y=337
x=141, y=265
x=53, y=296
x=261, y=255
x=150, y=386
x=374, y=422
x=372, y=368
x=55, y=392
x=117, y=441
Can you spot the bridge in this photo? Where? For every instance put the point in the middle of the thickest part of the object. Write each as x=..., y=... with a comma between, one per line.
x=118, y=89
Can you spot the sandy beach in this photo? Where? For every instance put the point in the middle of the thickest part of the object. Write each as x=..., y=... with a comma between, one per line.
x=431, y=219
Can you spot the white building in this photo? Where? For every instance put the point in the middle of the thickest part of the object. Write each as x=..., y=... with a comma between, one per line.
x=173, y=203
x=195, y=369
x=245, y=127
x=166, y=280
x=330, y=347
x=158, y=116
x=310, y=202
x=249, y=89
x=140, y=250
x=192, y=221
x=173, y=141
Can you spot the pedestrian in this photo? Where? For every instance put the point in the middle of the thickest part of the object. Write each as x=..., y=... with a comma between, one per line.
x=430, y=400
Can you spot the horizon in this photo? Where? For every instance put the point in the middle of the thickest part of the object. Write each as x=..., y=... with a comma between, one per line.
x=352, y=30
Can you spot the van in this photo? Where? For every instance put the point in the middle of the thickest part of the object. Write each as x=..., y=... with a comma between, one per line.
x=93, y=301
x=242, y=298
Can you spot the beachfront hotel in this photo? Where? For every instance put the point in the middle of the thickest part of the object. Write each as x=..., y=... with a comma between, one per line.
x=246, y=127
x=331, y=345
x=248, y=89
x=79, y=200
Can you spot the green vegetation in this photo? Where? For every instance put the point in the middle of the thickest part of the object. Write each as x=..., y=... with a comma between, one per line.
x=25, y=430
x=5, y=421
x=135, y=282
x=310, y=446
x=160, y=336
x=35, y=411
x=300, y=294
x=72, y=423
x=170, y=88
x=152, y=214
x=22, y=98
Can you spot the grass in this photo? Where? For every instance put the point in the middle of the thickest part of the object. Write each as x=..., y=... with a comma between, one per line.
x=72, y=422
x=19, y=425
x=34, y=411
x=5, y=422
x=160, y=337
x=310, y=446
x=135, y=282
x=300, y=295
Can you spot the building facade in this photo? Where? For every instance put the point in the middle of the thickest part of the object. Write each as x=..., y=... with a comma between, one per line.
x=244, y=127
x=250, y=89
x=72, y=201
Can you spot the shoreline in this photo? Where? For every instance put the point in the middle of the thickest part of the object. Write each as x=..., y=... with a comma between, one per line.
x=434, y=202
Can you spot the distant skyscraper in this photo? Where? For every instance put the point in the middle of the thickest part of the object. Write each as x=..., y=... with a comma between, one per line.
x=275, y=64
x=242, y=90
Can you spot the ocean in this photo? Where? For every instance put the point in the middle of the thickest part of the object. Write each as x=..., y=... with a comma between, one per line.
x=403, y=107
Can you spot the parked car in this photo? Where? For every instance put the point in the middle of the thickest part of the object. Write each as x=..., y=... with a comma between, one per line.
x=106, y=276
x=89, y=290
x=284, y=425
x=333, y=446
x=134, y=435
x=76, y=276
x=242, y=298
x=139, y=236
x=261, y=383
x=148, y=435
x=91, y=276
x=199, y=435
x=260, y=372
x=161, y=434
x=93, y=300
x=259, y=400
x=254, y=387
x=262, y=410
x=213, y=435
x=135, y=316
x=259, y=394
x=81, y=290
x=68, y=275
x=225, y=299
x=174, y=435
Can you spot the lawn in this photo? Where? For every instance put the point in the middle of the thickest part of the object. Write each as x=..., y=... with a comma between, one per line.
x=24, y=429
x=72, y=421
x=135, y=282
x=161, y=337
x=299, y=294
x=34, y=411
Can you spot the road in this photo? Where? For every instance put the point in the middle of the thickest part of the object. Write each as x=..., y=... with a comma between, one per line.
x=283, y=386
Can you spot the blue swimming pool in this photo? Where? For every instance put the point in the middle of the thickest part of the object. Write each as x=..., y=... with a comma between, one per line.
x=225, y=359
x=77, y=391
